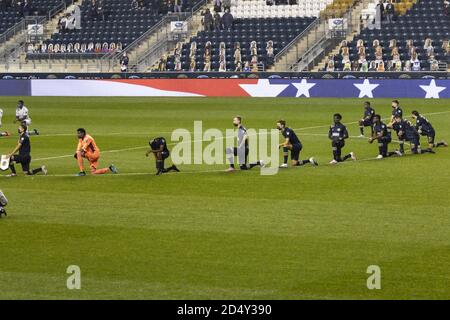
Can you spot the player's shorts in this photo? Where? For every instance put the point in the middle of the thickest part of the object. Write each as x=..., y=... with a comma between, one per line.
x=367, y=122
x=27, y=122
x=93, y=158
x=339, y=144
x=415, y=139
x=165, y=154
x=24, y=161
x=430, y=136
x=387, y=139
x=295, y=152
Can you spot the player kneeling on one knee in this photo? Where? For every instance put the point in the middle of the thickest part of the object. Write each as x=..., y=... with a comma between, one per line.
x=158, y=147
x=425, y=128
x=88, y=149
x=3, y=203
x=382, y=134
x=410, y=134
x=292, y=143
x=242, y=149
x=338, y=134
x=24, y=155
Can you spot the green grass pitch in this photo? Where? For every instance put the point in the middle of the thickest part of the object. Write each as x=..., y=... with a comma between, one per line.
x=305, y=233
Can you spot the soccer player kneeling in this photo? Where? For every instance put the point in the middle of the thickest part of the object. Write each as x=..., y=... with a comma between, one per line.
x=87, y=149
x=3, y=203
x=337, y=134
x=425, y=128
x=24, y=155
x=382, y=134
x=292, y=143
x=158, y=147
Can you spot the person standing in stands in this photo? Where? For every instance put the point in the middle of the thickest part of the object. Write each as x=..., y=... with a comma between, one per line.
x=390, y=12
x=227, y=20
x=176, y=6
x=208, y=20
x=217, y=21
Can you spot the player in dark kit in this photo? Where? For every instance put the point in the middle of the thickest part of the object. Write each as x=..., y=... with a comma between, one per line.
x=24, y=156
x=367, y=120
x=3, y=203
x=382, y=134
x=158, y=147
x=292, y=143
x=397, y=112
x=425, y=128
x=337, y=134
x=409, y=133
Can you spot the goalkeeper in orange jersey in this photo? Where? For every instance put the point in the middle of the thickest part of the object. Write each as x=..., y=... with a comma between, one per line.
x=87, y=149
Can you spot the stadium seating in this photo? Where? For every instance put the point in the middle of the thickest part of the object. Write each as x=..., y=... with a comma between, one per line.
x=260, y=9
x=280, y=31
x=13, y=15
x=120, y=26
x=266, y=26
x=407, y=35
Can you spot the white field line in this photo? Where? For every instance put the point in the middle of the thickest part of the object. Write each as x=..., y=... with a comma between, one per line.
x=182, y=172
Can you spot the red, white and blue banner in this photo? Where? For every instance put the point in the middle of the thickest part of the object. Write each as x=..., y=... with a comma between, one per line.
x=301, y=88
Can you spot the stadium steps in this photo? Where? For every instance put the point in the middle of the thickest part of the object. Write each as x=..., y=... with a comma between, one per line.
x=195, y=26
x=356, y=30
x=309, y=39
x=400, y=7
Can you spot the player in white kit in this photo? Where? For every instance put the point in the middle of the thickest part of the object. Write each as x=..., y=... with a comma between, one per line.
x=23, y=117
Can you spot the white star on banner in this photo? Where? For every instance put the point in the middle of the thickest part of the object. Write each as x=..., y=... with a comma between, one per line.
x=432, y=91
x=365, y=88
x=263, y=88
x=303, y=88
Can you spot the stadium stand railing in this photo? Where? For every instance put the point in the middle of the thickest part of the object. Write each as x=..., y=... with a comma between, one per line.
x=124, y=30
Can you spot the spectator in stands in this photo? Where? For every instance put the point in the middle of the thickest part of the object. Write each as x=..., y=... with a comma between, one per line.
x=162, y=63
x=227, y=20
x=329, y=64
x=237, y=54
x=363, y=64
x=447, y=7
x=434, y=64
x=124, y=61
x=217, y=5
x=269, y=51
x=379, y=16
x=193, y=50
x=247, y=67
x=238, y=67
x=269, y=2
x=207, y=57
x=415, y=62
x=390, y=12
x=253, y=48
x=217, y=22
x=208, y=20
x=192, y=64
x=360, y=44
x=177, y=6
x=226, y=4
x=428, y=46
x=446, y=47
x=347, y=64
x=396, y=63
x=254, y=63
